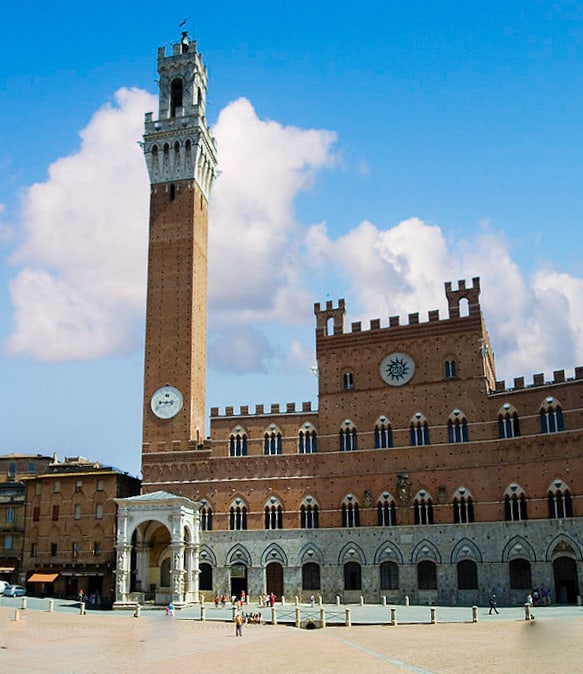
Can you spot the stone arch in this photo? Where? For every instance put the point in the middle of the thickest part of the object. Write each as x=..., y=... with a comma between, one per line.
x=465, y=549
x=207, y=555
x=273, y=553
x=388, y=552
x=563, y=545
x=310, y=553
x=238, y=554
x=425, y=550
x=351, y=552
x=518, y=547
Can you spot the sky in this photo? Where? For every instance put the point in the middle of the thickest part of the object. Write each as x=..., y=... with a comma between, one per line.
x=367, y=151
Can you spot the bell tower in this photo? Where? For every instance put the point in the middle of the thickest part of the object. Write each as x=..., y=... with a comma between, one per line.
x=181, y=157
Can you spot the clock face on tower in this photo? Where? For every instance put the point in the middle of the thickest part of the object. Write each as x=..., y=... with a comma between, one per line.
x=397, y=369
x=166, y=402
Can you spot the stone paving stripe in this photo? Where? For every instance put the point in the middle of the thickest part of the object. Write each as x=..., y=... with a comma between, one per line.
x=380, y=656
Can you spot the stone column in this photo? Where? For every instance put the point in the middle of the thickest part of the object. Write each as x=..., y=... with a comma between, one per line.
x=122, y=582
x=177, y=573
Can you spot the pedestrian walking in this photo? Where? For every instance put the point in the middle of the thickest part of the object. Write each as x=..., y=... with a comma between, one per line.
x=492, y=603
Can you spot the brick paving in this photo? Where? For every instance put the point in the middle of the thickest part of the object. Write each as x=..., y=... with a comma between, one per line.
x=67, y=643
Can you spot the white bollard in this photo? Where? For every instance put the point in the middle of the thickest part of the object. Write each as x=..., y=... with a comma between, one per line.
x=347, y=618
x=138, y=611
x=432, y=614
x=322, y=617
x=337, y=600
x=407, y=600
x=51, y=605
x=361, y=600
x=393, y=616
x=474, y=614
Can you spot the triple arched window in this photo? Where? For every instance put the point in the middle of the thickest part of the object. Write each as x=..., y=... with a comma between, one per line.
x=309, y=514
x=515, y=504
x=457, y=427
x=238, y=516
x=307, y=439
x=551, y=416
x=419, y=430
x=463, y=506
x=238, y=443
x=560, y=501
x=272, y=441
x=350, y=512
x=386, y=511
x=383, y=433
x=348, y=440
x=273, y=514
x=508, y=426
x=423, y=508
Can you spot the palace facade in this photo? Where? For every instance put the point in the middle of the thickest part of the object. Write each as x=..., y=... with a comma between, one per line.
x=419, y=474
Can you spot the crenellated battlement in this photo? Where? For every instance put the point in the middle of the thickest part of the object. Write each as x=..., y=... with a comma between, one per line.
x=336, y=315
x=538, y=380
x=455, y=297
x=262, y=410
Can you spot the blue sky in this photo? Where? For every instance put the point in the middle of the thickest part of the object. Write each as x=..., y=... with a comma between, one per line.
x=369, y=151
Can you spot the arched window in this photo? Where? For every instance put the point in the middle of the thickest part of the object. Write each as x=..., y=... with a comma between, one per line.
x=560, y=501
x=463, y=506
x=238, y=516
x=383, y=433
x=309, y=514
x=176, y=91
x=450, y=369
x=205, y=578
x=310, y=576
x=457, y=427
x=423, y=508
x=238, y=443
x=551, y=417
x=272, y=441
x=427, y=575
x=273, y=514
x=386, y=511
x=419, y=430
x=348, y=438
x=389, y=576
x=352, y=576
x=508, y=425
x=350, y=512
x=307, y=440
x=520, y=575
x=467, y=575
x=515, y=504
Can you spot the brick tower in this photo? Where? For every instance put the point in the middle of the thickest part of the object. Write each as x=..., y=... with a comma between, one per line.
x=181, y=159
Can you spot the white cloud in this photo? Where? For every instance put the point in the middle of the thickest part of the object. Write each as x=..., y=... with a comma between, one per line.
x=536, y=324
x=254, y=244
x=80, y=293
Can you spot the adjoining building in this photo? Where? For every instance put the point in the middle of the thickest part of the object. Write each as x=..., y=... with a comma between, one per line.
x=13, y=468
x=70, y=526
x=418, y=475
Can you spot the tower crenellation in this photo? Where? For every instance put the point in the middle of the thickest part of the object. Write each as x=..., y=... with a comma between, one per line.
x=178, y=145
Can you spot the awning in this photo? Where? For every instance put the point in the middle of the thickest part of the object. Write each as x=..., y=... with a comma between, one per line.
x=43, y=578
x=6, y=569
